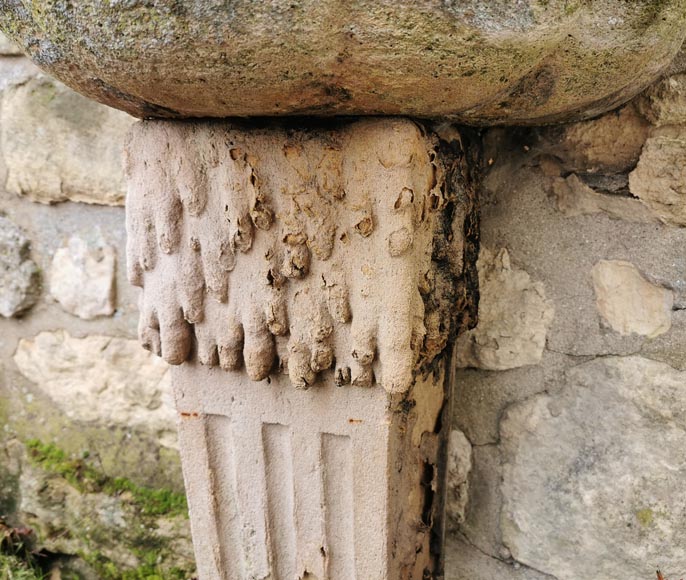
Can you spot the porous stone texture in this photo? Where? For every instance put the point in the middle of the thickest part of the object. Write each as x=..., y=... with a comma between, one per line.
x=481, y=62
x=129, y=384
x=576, y=482
x=308, y=279
x=20, y=280
x=58, y=145
x=514, y=316
x=306, y=202
x=630, y=303
x=664, y=102
x=82, y=278
x=658, y=179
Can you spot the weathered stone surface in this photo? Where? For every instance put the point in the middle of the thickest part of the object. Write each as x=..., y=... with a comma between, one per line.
x=58, y=145
x=336, y=235
x=466, y=561
x=659, y=179
x=630, y=303
x=483, y=62
x=131, y=386
x=664, y=102
x=609, y=144
x=82, y=278
x=76, y=517
x=514, y=316
x=9, y=48
x=593, y=472
x=574, y=198
x=19, y=275
x=330, y=259
x=459, y=466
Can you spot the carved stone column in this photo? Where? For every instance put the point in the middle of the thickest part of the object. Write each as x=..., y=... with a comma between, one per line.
x=308, y=281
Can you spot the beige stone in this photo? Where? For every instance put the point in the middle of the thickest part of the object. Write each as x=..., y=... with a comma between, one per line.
x=324, y=211
x=58, y=145
x=664, y=102
x=574, y=198
x=514, y=316
x=482, y=62
x=659, y=178
x=101, y=379
x=82, y=278
x=301, y=279
x=459, y=468
x=8, y=48
x=628, y=302
x=611, y=143
x=590, y=473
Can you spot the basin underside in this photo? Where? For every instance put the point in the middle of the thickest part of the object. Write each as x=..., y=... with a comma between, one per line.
x=530, y=61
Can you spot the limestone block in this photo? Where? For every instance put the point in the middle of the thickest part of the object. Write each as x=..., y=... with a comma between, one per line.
x=530, y=61
x=82, y=278
x=459, y=467
x=611, y=143
x=659, y=178
x=514, y=316
x=19, y=275
x=573, y=198
x=101, y=379
x=591, y=473
x=630, y=303
x=58, y=145
x=664, y=103
x=309, y=281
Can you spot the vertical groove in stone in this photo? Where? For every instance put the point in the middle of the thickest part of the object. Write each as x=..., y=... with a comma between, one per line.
x=251, y=498
x=223, y=475
x=278, y=464
x=340, y=506
x=193, y=439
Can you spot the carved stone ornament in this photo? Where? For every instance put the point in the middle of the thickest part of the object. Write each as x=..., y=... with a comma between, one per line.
x=311, y=281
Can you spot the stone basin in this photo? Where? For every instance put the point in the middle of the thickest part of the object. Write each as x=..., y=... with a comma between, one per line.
x=478, y=62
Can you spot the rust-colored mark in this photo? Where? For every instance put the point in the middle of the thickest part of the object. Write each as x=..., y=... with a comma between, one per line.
x=354, y=421
x=191, y=415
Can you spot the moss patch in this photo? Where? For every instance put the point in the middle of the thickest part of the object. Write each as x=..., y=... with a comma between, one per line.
x=87, y=479
x=149, y=570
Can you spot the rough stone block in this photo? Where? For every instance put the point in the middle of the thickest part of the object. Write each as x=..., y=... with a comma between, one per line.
x=82, y=278
x=514, y=316
x=594, y=470
x=58, y=145
x=659, y=178
x=630, y=303
x=19, y=275
x=664, y=102
x=101, y=379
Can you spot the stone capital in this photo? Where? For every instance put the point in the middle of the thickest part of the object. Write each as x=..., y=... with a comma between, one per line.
x=309, y=282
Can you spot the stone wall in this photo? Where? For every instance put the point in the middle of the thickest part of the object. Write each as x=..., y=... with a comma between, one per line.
x=569, y=410
x=90, y=459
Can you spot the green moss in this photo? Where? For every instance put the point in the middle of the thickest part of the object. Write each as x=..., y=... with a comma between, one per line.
x=645, y=517
x=14, y=568
x=148, y=570
x=84, y=477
